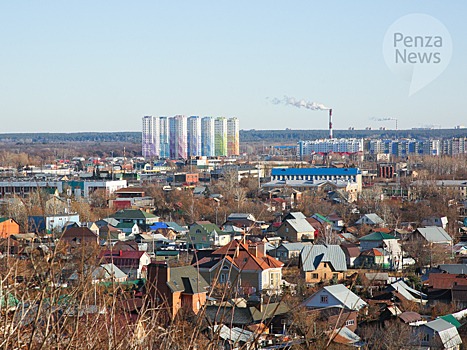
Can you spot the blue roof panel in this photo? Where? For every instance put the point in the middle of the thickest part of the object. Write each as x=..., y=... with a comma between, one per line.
x=315, y=171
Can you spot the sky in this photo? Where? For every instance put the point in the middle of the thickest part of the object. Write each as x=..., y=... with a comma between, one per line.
x=73, y=66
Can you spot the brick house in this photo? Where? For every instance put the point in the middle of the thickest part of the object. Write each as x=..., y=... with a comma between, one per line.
x=244, y=266
x=8, y=227
x=176, y=288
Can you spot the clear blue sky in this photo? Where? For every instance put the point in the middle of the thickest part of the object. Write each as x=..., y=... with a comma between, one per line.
x=70, y=66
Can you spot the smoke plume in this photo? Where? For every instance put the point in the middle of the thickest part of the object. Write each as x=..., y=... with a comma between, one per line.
x=292, y=101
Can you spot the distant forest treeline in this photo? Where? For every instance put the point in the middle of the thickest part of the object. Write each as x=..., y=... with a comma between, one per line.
x=279, y=136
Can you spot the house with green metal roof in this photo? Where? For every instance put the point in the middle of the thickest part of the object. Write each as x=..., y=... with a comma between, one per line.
x=388, y=245
x=205, y=234
x=142, y=218
x=128, y=228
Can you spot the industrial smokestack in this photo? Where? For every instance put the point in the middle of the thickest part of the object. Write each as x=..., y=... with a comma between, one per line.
x=314, y=106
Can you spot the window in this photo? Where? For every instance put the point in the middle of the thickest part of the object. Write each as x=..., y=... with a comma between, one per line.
x=349, y=322
x=425, y=337
x=223, y=278
x=314, y=276
x=324, y=299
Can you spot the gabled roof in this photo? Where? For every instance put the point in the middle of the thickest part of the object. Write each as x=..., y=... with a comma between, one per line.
x=186, y=279
x=350, y=249
x=348, y=299
x=241, y=216
x=407, y=292
x=446, y=331
x=300, y=225
x=132, y=214
x=457, y=269
x=410, y=316
x=452, y=320
x=345, y=336
x=377, y=236
x=208, y=226
x=296, y=215
x=158, y=225
x=79, y=232
x=373, y=218
x=446, y=280
x=321, y=218
x=174, y=226
x=238, y=254
x=312, y=256
x=126, y=225
x=373, y=252
x=434, y=234
x=297, y=246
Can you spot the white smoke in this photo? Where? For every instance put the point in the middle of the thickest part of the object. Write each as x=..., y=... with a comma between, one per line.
x=292, y=101
x=383, y=119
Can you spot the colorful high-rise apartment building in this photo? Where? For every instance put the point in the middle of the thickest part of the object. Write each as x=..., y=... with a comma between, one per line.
x=194, y=136
x=220, y=136
x=208, y=145
x=178, y=137
x=164, y=137
x=150, y=137
x=233, y=137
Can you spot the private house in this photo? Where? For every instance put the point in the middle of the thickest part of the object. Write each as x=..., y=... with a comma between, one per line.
x=380, y=249
x=163, y=229
x=76, y=236
x=51, y=223
x=336, y=220
x=437, y=334
x=242, y=220
x=370, y=219
x=337, y=304
x=448, y=287
x=352, y=252
x=432, y=235
x=130, y=229
x=440, y=221
x=108, y=234
x=259, y=318
x=167, y=255
x=55, y=204
x=176, y=288
x=374, y=258
x=139, y=217
x=288, y=251
x=322, y=263
x=92, y=226
x=107, y=221
x=8, y=227
x=245, y=267
x=338, y=296
x=103, y=273
x=296, y=230
x=133, y=263
x=401, y=291
x=205, y=234
x=294, y=215
x=131, y=197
